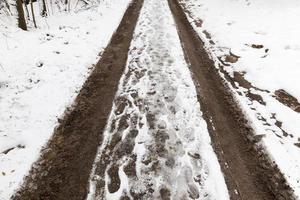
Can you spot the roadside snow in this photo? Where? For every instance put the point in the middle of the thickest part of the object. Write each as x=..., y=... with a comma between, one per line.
x=156, y=127
x=41, y=72
x=234, y=26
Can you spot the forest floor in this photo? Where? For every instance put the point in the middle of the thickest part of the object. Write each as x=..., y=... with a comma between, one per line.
x=155, y=120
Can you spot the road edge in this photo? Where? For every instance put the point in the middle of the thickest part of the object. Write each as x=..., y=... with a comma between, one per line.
x=270, y=174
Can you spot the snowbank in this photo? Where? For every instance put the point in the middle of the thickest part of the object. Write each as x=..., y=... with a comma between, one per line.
x=265, y=37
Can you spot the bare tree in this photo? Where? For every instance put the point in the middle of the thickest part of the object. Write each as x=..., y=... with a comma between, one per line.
x=27, y=12
x=7, y=6
x=66, y=5
x=32, y=12
x=21, y=18
x=44, y=9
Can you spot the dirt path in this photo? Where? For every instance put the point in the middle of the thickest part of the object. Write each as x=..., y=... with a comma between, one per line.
x=248, y=173
x=64, y=168
x=156, y=142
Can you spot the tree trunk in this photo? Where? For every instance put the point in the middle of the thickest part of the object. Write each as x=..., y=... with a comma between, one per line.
x=32, y=12
x=27, y=12
x=66, y=5
x=44, y=10
x=21, y=18
x=7, y=6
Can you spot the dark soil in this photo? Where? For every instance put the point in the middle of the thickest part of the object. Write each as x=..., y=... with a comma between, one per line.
x=248, y=172
x=285, y=98
x=64, y=168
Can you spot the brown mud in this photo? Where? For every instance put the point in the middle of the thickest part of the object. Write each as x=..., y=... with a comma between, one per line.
x=285, y=98
x=248, y=171
x=63, y=170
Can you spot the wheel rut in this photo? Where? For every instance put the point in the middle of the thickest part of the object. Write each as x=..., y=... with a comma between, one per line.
x=156, y=144
x=63, y=170
x=248, y=173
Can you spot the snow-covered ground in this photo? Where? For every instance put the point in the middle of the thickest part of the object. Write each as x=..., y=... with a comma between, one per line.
x=265, y=35
x=165, y=148
x=41, y=72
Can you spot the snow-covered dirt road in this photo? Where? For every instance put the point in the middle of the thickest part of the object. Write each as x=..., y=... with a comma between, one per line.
x=156, y=144
x=154, y=121
x=63, y=170
x=255, y=45
x=41, y=72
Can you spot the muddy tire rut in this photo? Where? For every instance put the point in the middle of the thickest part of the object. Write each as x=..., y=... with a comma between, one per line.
x=155, y=131
x=248, y=171
x=64, y=168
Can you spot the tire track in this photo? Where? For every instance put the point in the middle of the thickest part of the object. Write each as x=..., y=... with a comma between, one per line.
x=63, y=170
x=156, y=143
x=248, y=172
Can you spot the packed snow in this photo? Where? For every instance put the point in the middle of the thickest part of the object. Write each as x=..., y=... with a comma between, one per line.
x=41, y=72
x=265, y=37
x=156, y=144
